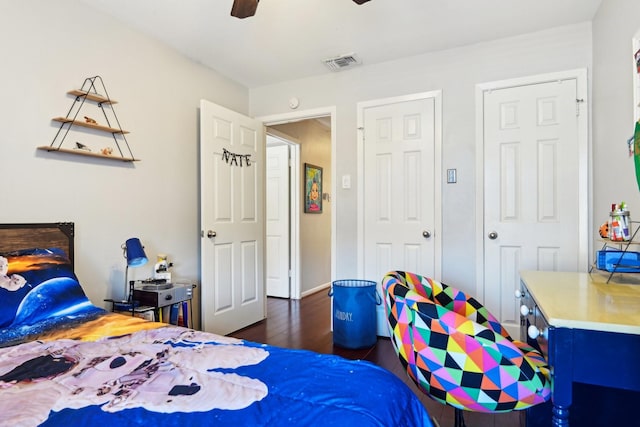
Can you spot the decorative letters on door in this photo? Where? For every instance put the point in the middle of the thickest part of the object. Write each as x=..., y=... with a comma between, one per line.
x=237, y=159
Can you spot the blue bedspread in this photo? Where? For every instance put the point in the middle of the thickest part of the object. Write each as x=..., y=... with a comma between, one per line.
x=65, y=362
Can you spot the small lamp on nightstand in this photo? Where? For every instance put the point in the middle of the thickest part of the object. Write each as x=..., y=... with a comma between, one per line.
x=133, y=251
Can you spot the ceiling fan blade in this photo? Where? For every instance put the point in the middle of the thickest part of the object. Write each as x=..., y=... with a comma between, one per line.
x=244, y=8
x=360, y=1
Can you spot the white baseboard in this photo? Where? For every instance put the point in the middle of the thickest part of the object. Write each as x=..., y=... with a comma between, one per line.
x=316, y=289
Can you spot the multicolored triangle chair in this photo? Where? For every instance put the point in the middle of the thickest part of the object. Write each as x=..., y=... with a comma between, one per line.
x=457, y=352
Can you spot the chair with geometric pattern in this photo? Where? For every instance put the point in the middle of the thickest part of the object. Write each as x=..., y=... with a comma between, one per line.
x=457, y=352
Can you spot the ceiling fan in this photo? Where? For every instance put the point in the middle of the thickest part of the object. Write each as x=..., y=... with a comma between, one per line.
x=245, y=8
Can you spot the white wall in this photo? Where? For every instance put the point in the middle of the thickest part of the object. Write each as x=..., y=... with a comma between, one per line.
x=49, y=48
x=614, y=25
x=456, y=72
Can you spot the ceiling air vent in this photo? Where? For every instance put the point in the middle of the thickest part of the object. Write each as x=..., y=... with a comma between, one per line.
x=341, y=62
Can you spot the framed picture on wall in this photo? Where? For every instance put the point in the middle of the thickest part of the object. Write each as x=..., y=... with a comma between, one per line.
x=312, y=188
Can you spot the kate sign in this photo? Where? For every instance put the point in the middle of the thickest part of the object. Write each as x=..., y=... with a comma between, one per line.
x=312, y=188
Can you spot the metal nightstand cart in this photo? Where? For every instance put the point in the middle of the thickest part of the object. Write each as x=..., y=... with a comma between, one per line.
x=169, y=302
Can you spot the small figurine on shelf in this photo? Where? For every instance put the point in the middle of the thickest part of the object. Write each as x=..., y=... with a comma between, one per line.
x=90, y=120
x=106, y=151
x=81, y=146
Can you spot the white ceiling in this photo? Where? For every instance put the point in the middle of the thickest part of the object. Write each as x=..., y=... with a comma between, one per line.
x=288, y=39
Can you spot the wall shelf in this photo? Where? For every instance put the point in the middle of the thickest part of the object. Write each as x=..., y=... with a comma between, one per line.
x=92, y=96
x=86, y=153
x=89, y=125
x=94, y=91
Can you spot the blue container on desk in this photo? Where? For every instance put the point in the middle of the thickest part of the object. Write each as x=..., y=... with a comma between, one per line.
x=618, y=261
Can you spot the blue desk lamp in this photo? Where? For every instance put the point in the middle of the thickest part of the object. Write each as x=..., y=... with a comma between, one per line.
x=133, y=251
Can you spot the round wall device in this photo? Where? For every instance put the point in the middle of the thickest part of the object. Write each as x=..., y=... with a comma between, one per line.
x=294, y=102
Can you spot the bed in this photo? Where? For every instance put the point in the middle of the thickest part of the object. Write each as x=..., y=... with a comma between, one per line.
x=65, y=361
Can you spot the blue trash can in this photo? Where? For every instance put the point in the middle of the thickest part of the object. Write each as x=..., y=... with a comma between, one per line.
x=354, y=313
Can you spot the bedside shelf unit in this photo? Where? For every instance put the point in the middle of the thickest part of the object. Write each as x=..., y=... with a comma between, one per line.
x=89, y=92
x=175, y=300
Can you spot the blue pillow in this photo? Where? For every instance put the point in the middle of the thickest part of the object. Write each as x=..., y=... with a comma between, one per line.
x=38, y=290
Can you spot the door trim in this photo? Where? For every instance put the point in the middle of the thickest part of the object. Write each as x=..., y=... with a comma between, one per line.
x=437, y=157
x=296, y=116
x=584, y=196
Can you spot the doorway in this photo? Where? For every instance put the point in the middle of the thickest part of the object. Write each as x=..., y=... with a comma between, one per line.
x=282, y=270
x=286, y=127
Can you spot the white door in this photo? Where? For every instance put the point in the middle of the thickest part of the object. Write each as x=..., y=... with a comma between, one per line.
x=532, y=188
x=401, y=144
x=278, y=224
x=232, y=158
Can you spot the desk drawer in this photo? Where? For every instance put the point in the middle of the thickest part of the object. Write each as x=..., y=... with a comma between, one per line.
x=163, y=297
x=532, y=316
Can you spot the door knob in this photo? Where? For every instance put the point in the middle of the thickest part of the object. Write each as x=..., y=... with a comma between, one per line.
x=493, y=235
x=211, y=234
x=426, y=234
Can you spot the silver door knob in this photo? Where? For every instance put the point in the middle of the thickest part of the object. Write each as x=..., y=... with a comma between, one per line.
x=426, y=234
x=493, y=235
x=211, y=234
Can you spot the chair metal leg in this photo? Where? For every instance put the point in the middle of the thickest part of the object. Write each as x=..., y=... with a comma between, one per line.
x=459, y=418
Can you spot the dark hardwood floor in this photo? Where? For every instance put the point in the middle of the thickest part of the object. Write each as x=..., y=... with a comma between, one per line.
x=306, y=324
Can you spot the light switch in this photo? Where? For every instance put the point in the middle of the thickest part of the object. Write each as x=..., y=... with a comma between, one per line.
x=346, y=181
x=452, y=176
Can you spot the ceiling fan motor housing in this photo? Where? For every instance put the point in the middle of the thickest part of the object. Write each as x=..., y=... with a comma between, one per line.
x=246, y=8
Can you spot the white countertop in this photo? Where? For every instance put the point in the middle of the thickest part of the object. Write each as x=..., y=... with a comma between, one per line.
x=586, y=301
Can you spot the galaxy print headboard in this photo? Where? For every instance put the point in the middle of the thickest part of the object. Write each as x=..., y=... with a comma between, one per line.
x=38, y=235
